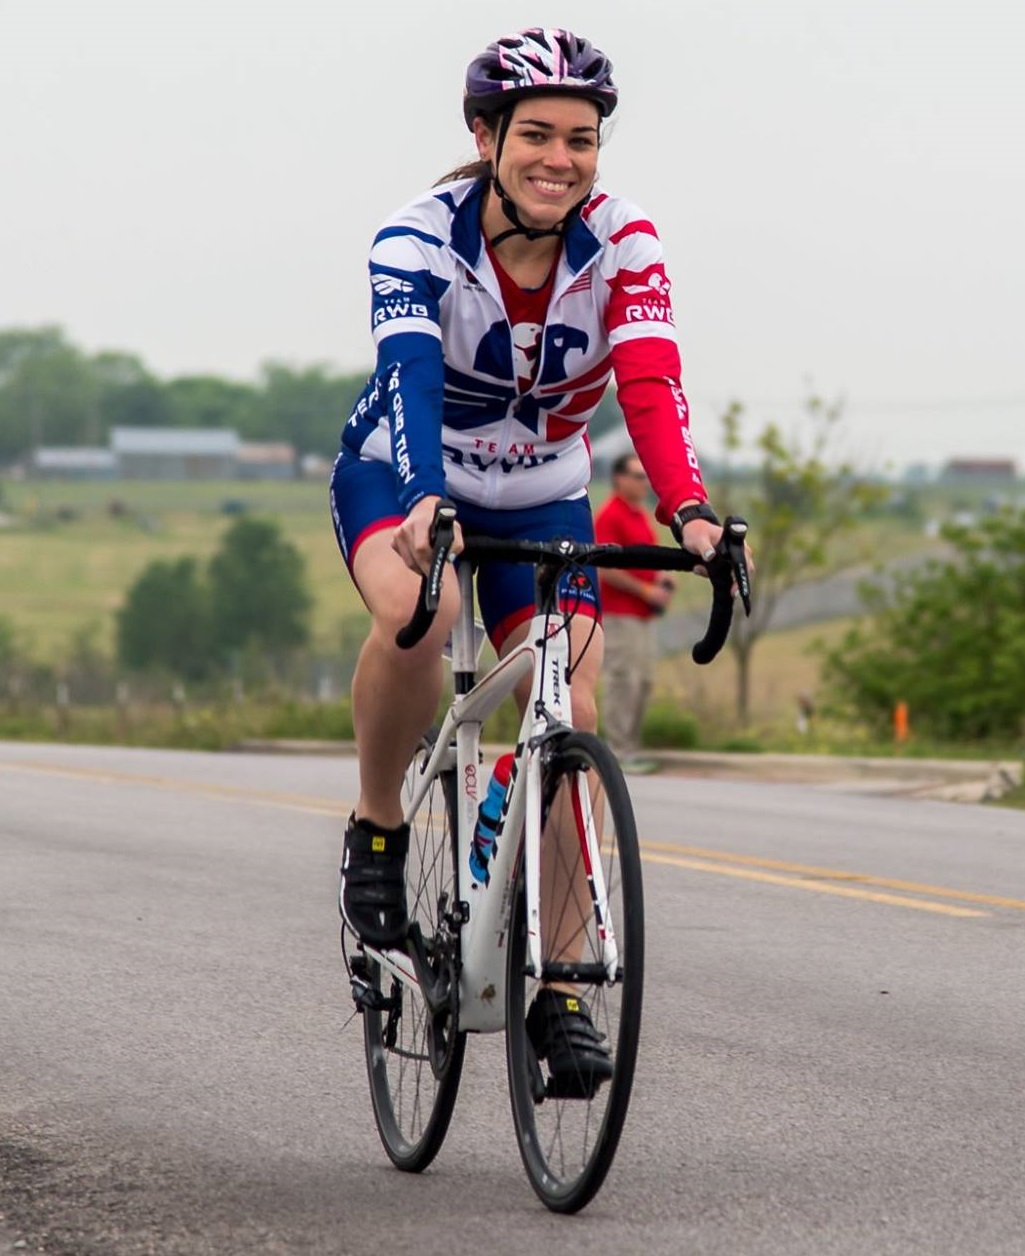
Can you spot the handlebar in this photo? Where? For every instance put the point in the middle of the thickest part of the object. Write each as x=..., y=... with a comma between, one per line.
x=727, y=569
x=443, y=532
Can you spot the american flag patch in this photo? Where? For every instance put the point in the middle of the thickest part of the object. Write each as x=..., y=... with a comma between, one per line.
x=582, y=284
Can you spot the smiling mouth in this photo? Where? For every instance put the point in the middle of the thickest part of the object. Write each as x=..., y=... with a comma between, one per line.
x=550, y=188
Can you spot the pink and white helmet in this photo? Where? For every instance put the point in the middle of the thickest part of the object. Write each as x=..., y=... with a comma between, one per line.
x=535, y=62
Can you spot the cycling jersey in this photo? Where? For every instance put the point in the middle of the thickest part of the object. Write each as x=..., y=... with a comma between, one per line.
x=445, y=405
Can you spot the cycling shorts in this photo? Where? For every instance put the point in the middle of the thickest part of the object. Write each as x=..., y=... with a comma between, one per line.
x=364, y=499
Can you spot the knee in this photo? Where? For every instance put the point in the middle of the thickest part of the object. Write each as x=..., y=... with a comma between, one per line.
x=393, y=613
x=585, y=708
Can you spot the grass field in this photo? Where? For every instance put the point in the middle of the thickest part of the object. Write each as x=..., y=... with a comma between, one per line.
x=69, y=558
x=786, y=664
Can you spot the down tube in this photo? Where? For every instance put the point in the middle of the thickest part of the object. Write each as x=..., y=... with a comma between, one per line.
x=485, y=934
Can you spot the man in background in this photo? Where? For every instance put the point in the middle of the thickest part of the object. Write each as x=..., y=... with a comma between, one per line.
x=630, y=602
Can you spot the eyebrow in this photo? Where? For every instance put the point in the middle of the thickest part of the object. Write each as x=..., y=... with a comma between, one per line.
x=550, y=126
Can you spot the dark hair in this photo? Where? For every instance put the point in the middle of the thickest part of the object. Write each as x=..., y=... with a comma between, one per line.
x=480, y=170
x=623, y=461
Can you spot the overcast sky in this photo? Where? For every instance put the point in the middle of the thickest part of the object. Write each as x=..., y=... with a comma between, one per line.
x=839, y=186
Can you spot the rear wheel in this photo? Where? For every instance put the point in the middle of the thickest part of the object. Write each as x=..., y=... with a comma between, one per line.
x=414, y=1057
x=567, y=1144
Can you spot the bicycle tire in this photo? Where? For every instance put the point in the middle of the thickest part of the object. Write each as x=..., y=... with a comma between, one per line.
x=567, y=1145
x=412, y=1102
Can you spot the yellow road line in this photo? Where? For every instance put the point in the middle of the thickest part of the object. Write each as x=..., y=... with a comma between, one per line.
x=813, y=873
x=694, y=858
x=226, y=793
x=796, y=883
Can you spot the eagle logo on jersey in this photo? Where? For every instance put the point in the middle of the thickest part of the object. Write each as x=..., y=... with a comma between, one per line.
x=388, y=285
x=656, y=283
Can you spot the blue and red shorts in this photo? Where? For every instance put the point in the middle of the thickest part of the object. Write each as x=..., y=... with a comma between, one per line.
x=364, y=499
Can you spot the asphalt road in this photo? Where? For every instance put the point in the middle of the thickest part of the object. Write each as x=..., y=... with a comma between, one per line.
x=830, y=1063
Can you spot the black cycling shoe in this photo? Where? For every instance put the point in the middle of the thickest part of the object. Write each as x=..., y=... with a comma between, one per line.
x=372, y=897
x=561, y=1031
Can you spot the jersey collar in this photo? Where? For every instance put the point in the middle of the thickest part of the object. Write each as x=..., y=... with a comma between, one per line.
x=580, y=245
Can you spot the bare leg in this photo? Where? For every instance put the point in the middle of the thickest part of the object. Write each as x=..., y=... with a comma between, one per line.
x=565, y=896
x=587, y=668
x=395, y=693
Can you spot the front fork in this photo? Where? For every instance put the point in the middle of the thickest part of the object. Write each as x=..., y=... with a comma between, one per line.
x=580, y=813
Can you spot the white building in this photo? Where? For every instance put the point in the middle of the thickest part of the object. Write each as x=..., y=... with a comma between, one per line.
x=167, y=453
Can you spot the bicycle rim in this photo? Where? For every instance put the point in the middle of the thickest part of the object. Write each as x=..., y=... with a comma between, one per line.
x=568, y=1144
x=413, y=1098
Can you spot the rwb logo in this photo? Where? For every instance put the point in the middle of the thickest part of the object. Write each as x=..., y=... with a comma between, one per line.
x=650, y=311
x=652, y=288
x=386, y=285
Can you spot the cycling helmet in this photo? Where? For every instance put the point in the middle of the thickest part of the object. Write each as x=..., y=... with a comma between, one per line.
x=534, y=62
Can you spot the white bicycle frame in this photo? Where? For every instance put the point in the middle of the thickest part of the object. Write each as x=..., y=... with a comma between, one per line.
x=484, y=936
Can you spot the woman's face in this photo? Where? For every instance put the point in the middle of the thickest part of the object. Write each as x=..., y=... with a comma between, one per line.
x=549, y=158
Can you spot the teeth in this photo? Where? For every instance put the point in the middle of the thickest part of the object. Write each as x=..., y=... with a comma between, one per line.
x=551, y=187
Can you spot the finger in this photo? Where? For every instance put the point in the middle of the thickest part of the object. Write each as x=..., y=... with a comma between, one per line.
x=407, y=552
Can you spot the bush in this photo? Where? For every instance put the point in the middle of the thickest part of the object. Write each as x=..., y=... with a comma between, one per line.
x=948, y=639
x=165, y=621
x=666, y=727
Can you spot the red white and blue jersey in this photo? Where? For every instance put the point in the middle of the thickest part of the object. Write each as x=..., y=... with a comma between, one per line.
x=450, y=404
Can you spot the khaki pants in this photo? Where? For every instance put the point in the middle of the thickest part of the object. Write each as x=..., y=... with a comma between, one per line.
x=628, y=675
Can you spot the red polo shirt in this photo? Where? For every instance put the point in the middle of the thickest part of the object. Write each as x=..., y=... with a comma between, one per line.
x=619, y=523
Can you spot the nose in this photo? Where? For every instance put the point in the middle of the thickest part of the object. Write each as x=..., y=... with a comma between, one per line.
x=558, y=155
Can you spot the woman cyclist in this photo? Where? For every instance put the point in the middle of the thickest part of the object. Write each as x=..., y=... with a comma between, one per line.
x=503, y=301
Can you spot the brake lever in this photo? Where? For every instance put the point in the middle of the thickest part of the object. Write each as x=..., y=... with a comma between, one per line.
x=731, y=544
x=442, y=535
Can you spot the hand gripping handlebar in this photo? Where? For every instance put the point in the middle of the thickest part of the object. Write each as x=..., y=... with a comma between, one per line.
x=727, y=571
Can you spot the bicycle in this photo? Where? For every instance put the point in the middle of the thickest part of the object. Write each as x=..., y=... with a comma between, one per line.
x=562, y=904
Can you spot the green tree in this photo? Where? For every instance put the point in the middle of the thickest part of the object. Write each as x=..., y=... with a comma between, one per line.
x=258, y=591
x=165, y=621
x=51, y=393
x=128, y=394
x=306, y=407
x=797, y=501
x=47, y=393
x=208, y=401
x=947, y=638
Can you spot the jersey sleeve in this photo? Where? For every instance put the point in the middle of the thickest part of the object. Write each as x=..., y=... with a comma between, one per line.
x=405, y=296
x=641, y=326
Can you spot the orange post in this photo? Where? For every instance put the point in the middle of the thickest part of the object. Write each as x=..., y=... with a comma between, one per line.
x=900, y=721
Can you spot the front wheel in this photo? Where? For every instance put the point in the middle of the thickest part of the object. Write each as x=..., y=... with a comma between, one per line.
x=567, y=1143
x=414, y=1058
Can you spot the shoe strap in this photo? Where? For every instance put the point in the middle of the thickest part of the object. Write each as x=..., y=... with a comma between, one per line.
x=364, y=837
